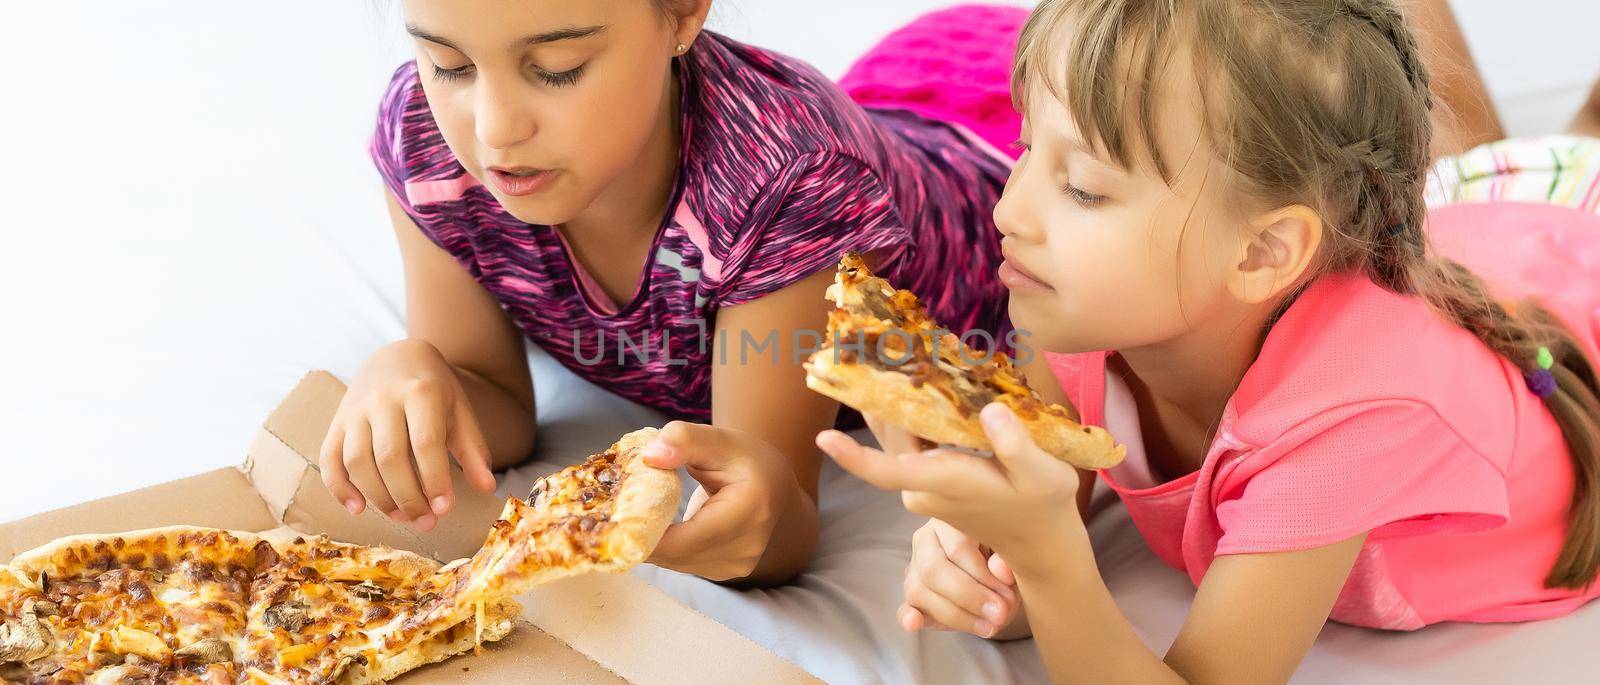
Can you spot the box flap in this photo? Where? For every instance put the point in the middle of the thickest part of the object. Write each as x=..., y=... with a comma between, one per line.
x=598, y=612
x=222, y=498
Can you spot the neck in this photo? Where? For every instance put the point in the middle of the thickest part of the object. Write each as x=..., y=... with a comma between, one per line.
x=1196, y=373
x=632, y=206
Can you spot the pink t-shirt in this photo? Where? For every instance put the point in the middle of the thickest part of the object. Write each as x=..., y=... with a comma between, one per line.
x=1367, y=412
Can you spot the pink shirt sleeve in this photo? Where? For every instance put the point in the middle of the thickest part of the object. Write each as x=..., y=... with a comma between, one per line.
x=1391, y=467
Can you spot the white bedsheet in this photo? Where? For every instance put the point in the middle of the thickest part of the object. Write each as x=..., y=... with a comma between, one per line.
x=190, y=223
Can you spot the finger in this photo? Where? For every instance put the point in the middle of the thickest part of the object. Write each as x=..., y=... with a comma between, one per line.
x=894, y=439
x=425, y=426
x=910, y=619
x=465, y=440
x=1002, y=570
x=938, y=608
x=936, y=573
x=699, y=446
x=963, y=552
x=391, y=449
x=363, y=470
x=1014, y=448
x=334, y=477
x=899, y=472
x=717, y=522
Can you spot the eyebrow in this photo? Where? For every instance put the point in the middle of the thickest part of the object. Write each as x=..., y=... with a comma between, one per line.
x=552, y=36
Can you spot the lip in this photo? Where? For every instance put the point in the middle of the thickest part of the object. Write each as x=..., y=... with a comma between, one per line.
x=519, y=181
x=1015, y=276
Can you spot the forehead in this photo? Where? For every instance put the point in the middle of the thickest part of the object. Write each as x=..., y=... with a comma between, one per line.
x=1148, y=98
x=501, y=22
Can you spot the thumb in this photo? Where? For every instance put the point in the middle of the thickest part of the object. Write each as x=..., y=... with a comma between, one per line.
x=1002, y=570
x=710, y=453
x=465, y=442
x=1013, y=446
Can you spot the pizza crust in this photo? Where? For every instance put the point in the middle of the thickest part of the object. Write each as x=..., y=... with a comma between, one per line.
x=646, y=503
x=926, y=412
x=458, y=639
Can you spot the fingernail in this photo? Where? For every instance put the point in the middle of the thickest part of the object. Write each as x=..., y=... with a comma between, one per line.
x=399, y=516
x=441, y=504
x=353, y=506
x=993, y=611
x=425, y=522
x=983, y=628
x=656, y=450
x=996, y=415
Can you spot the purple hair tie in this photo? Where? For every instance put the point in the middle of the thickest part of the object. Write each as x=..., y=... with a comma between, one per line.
x=1540, y=381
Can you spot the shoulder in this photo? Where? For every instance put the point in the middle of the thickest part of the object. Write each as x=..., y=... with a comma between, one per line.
x=761, y=112
x=1353, y=355
x=407, y=144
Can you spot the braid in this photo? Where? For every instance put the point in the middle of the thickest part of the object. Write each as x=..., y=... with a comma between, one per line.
x=1384, y=16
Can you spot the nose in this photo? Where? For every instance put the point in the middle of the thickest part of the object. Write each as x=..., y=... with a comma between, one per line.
x=501, y=118
x=1013, y=215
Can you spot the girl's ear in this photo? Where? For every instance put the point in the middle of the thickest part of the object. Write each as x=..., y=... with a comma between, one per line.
x=688, y=18
x=1281, y=248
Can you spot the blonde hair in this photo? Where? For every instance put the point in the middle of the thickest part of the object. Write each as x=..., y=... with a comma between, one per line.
x=1323, y=103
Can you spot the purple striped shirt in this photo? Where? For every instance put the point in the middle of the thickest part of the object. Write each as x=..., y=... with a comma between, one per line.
x=780, y=173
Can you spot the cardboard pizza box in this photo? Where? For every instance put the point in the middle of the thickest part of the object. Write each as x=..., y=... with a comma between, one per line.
x=600, y=628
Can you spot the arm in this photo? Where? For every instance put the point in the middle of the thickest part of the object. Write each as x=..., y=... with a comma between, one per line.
x=1253, y=619
x=764, y=394
x=448, y=310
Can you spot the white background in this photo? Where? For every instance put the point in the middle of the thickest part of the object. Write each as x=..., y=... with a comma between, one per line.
x=190, y=222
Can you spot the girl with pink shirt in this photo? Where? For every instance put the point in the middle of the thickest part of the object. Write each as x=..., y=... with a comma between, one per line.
x=1337, y=404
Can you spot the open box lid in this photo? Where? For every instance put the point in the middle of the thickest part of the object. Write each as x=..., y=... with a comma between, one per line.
x=600, y=628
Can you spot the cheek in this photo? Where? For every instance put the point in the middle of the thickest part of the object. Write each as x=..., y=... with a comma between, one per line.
x=452, y=113
x=1117, y=281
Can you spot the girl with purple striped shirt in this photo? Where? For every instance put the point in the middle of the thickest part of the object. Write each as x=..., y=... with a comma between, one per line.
x=660, y=208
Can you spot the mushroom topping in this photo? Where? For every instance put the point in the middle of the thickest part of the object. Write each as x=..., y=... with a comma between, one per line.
x=25, y=638
x=290, y=616
x=208, y=651
x=369, y=591
x=339, y=670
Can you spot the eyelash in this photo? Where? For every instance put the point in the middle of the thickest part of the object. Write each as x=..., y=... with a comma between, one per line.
x=1088, y=200
x=1079, y=196
x=558, y=80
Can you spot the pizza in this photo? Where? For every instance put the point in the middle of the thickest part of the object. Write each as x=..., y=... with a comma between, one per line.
x=884, y=356
x=196, y=605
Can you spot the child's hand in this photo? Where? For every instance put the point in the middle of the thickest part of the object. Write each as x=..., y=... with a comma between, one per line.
x=388, y=443
x=1010, y=502
x=747, y=489
x=953, y=583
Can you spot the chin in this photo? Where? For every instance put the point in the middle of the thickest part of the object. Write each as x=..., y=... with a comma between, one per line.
x=548, y=208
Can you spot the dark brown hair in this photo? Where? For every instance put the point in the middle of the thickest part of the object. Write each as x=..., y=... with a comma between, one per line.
x=1323, y=103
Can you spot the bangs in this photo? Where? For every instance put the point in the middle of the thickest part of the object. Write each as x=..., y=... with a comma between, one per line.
x=1103, y=60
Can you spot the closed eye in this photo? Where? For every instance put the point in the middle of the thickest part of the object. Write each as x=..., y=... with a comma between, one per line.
x=455, y=74
x=1078, y=195
x=560, y=79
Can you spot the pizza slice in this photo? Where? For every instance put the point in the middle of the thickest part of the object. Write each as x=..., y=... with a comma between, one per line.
x=884, y=356
x=195, y=605
x=604, y=515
